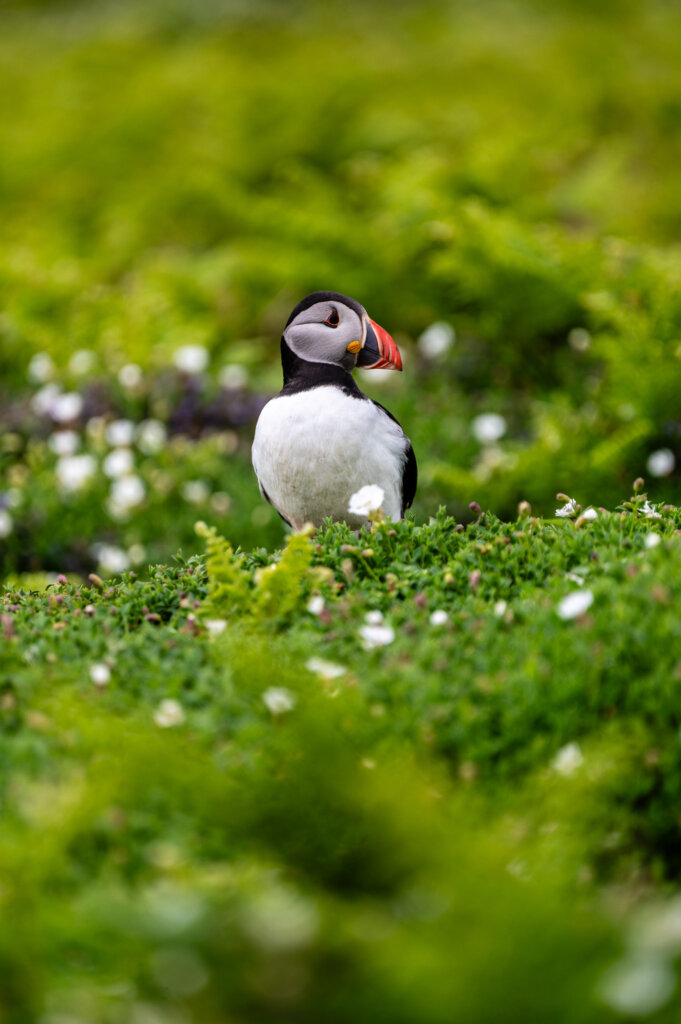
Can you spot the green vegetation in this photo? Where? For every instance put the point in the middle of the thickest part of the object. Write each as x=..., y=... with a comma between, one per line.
x=385, y=777
x=421, y=775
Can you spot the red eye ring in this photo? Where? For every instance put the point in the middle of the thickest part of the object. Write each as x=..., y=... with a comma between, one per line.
x=333, y=318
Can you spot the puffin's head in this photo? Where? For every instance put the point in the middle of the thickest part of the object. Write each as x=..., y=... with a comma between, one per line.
x=326, y=327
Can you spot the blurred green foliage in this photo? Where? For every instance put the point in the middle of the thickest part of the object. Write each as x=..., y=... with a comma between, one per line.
x=472, y=816
x=178, y=174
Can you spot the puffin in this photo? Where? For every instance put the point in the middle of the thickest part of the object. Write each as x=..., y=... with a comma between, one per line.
x=321, y=439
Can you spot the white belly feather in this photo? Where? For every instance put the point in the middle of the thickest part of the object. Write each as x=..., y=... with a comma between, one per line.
x=313, y=450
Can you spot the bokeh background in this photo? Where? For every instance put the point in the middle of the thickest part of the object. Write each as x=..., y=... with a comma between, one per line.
x=498, y=183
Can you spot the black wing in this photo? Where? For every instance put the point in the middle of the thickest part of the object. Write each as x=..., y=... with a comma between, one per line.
x=410, y=471
x=270, y=502
x=409, y=479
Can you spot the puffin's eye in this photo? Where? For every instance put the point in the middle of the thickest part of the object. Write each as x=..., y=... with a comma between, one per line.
x=333, y=319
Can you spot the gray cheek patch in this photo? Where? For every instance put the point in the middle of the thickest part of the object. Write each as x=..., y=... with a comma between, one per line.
x=319, y=343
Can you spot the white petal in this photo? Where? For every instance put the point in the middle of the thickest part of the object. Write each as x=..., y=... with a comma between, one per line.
x=575, y=604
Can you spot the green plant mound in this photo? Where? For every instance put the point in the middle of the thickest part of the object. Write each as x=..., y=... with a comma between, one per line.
x=397, y=776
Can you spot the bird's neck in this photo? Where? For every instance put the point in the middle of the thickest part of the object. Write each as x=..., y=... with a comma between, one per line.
x=300, y=374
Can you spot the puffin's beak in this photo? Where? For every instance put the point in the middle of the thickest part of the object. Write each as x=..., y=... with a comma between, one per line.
x=379, y=351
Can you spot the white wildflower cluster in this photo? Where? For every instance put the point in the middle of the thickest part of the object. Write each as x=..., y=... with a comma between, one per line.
x=325, y=669
x=6, y=523
x=100, y=674
x=127, y=493
x=649, y=511
x=488, y=427
x=278, y=700
x=82, y=362
x=233, y=377
x=644, y=979
x=661, y=462
x=315, y=605
x=169, y=713
x=375, y=633
x=215, y=626
x=191, y=359
x=367, y=499
x=64, y=442
x=575, y=604
x=130, y=376
x=436, y=340
x=568, y=510
x=111, y=559
x=195, y=492
x=75, y=471
x=151, y=436
x=568, y=759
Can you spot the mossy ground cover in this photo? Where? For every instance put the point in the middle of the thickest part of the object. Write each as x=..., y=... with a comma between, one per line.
x=388, y=776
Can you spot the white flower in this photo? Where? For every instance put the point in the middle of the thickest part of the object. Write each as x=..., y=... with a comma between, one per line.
x=488, y=427
x=111, y=559
x=439, y=617
x=575, y=577
x=590, y=514
x=100, y=674
x=637, y=985
x=136, y=554
x=315, y=605
x=196, y=492
x=66, y=407
x=436, y=339
x=568, y=759
x=43, y=400
x=377, y=376
x=64, y=442
x=151, y=436
x=130, y=376
x=579, y=339
x=220, y=502
x=575, y=604
x=233, y=376
x=278, y=700
x=367, y=499
x=82, y=361
x=325, y=669
x=126, y=493
x=649, y=511
x=652, y=540
x=376, y=636
x=374, y=618
x=169, y=713
x=216, y=626
x=119, y=462
x=191, y=358
x=657, y=928
x=120, y=433
x=279, y=919
x=6, y=523
x=500, y=608
x=568, y=509
x=74, y=471
x=41, y=368
x=661, y=462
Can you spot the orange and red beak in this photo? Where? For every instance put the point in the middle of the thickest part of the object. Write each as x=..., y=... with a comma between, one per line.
x=379, y=351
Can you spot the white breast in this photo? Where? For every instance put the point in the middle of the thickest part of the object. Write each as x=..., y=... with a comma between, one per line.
x=313, y=450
